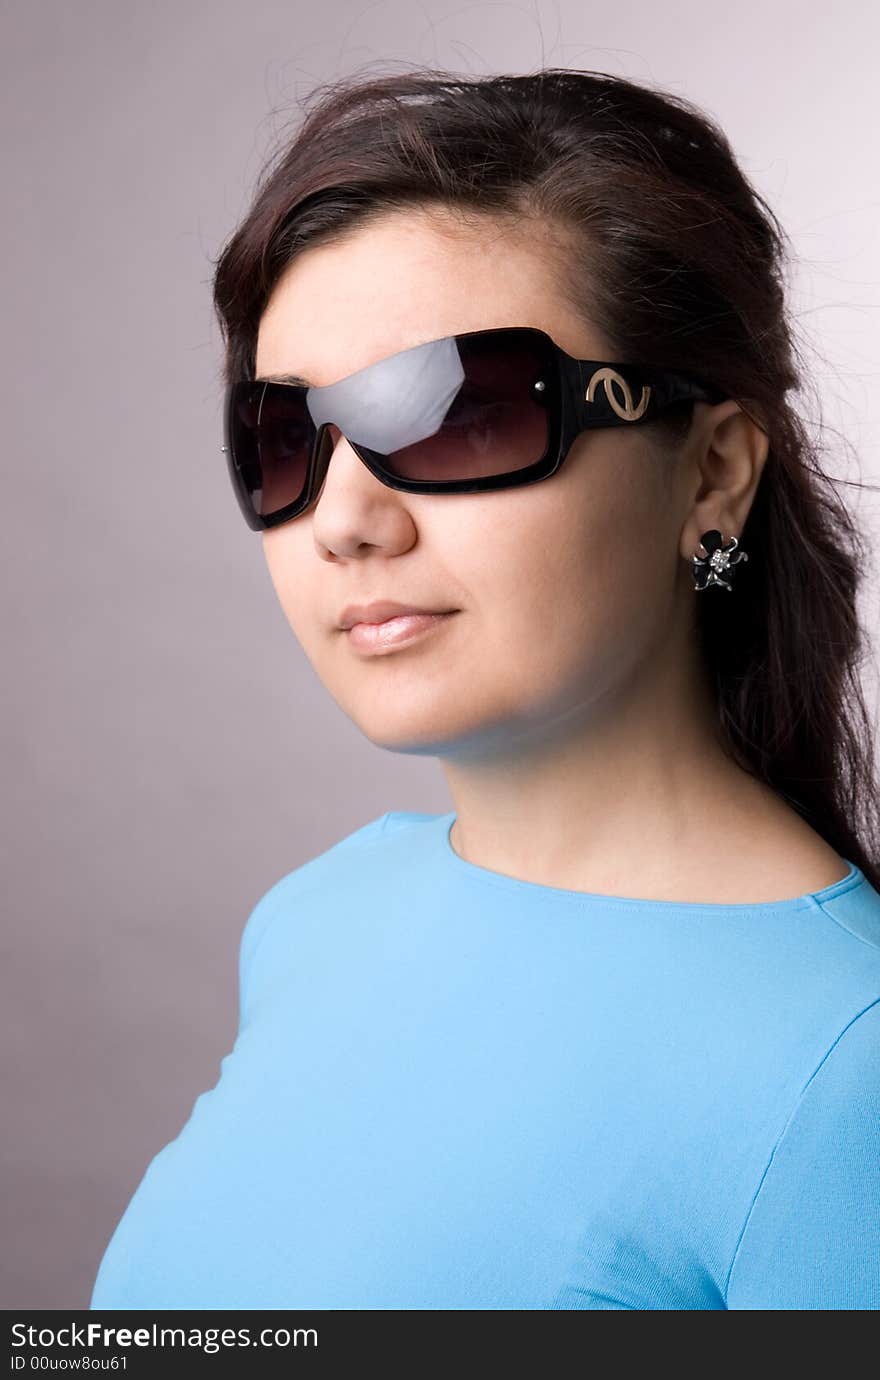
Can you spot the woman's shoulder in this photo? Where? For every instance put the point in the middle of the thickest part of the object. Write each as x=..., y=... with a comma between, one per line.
x=778, y=853
x=336, y=855
x=340, y=867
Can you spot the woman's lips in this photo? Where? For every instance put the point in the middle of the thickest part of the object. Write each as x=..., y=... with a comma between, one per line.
x=394, y=632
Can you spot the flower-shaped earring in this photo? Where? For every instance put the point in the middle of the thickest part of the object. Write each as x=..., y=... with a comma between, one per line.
x=718, y=557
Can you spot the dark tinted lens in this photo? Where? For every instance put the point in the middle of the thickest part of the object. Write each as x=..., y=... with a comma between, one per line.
x=497, y=422
x=271, y=436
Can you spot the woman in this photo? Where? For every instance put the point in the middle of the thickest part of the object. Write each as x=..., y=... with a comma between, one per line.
x=507, y=373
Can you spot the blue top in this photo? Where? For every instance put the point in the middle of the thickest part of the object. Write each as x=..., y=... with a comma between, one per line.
x=451, y=1089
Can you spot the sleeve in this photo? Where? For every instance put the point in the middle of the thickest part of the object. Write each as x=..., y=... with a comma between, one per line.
x=257, y=923
x=811, y=1239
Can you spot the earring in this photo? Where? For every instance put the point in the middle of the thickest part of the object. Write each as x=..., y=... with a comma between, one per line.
x=718, y=557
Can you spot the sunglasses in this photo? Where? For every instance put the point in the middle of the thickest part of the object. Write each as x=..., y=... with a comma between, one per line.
x=467, y=413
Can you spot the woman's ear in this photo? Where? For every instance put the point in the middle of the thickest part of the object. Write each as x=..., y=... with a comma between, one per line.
x=726, y=452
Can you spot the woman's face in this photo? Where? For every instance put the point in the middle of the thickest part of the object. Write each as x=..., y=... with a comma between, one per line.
x=563, y=588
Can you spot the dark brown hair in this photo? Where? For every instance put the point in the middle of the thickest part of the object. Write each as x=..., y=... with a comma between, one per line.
x=692, y=278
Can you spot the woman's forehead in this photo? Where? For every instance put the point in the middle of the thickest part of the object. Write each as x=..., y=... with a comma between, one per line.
x=393, y=284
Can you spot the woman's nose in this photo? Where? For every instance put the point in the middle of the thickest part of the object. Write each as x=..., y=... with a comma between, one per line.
x=353, y=510
x=334, y=449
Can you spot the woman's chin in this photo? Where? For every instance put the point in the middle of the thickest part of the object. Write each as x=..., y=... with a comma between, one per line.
x=415, y=735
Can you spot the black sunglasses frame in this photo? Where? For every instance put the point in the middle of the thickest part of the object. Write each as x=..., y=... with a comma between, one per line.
x=579, y=395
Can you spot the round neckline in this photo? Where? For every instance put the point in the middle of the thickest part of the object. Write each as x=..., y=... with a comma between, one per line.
x=486, y=875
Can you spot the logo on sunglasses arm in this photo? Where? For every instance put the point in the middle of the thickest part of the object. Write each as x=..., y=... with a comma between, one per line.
x=609, y=378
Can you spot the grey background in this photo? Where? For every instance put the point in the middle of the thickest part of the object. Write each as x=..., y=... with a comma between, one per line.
x=167, y=750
